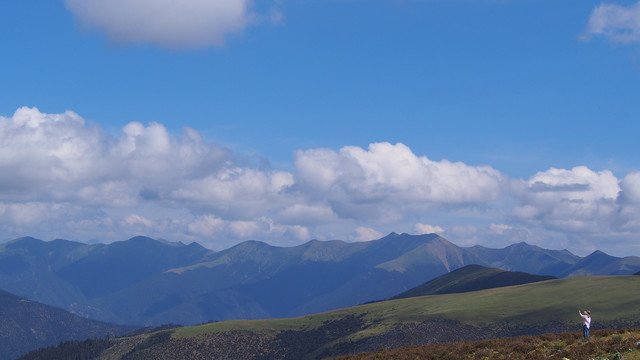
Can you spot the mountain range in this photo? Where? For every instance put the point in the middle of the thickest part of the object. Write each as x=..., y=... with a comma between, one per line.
x=143, y=281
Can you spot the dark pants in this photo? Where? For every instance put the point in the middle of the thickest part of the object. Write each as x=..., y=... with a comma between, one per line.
x=585, y=331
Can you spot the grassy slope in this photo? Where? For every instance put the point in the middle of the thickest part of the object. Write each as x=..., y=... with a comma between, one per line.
x=612, y=300
x=608, y=297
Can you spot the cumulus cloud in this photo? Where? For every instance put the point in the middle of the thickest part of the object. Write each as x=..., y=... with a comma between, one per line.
x=578, y=208
x=500, y=228
x=306, y=214
x=573, y=200
x=366, y=234
x=630, y=187
x=62, y=177
x=57, y=157
x=206, y=225
x=296, y=233
x=420, y=229
x=618, y=23
x=354, y=181
x=57, y=168
x=168, y=23
x=629, y=214
x=57, y=164
x=235, y=192
x=22, y=215
x=39, y=148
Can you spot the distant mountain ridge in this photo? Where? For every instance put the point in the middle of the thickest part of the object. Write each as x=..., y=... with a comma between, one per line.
x=472, y=278
x=151, y=282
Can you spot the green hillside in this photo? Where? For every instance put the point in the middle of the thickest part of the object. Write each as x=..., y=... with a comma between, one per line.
x=535, y=308
x=610, y=299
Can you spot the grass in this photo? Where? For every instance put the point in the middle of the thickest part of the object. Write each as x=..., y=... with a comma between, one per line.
x=529, y=307
x=610, y=298
x=263, y=326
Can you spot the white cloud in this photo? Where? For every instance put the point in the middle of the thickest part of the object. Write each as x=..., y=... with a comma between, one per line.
x=56, y=157
x=168, y=23
x=137, y=221
x=629, y=214
x=306, y=214
x=420, y=229
x=500, y=228
x=56, y=167
x=218, y=233
x=366, y=234
x=38, y=148
x=245, y=229
x=579, y=183
x=205, y=226
x=579, y=199
x=630, y=186
x=30, y=213
x=618, y=23
x=62, y=177
x=235, y=192
x=297, y=233
x=355, y=181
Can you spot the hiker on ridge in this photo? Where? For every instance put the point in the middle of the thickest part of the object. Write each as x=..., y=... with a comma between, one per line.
x=587, y=323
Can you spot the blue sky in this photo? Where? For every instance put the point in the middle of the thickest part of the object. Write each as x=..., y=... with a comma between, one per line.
x=489, y=122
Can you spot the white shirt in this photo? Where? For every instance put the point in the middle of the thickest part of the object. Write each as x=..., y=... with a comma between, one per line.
x=587, y=319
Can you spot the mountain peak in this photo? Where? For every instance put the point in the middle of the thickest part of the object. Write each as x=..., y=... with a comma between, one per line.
x=141, y=239
x=253, y=244
x=250, y=248
x=25, y=241
x=521, y=244
x=403, y=236
x=391, y=235
x=597, y=253
x=332, y=250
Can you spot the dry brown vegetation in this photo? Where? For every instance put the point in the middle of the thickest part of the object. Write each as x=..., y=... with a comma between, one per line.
x=603, y=344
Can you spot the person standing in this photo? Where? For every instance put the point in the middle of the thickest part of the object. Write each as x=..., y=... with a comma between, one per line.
x=586, y=316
